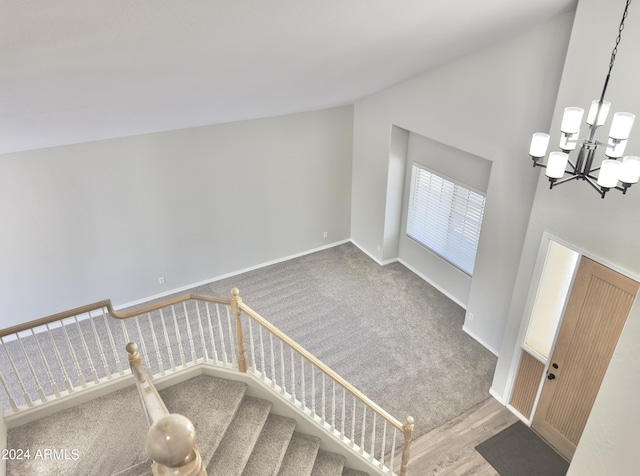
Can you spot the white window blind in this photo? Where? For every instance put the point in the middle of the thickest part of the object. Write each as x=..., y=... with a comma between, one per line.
x=446, y=217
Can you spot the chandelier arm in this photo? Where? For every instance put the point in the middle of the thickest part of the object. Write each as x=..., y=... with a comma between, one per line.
x=590, y=180
x=565, y=180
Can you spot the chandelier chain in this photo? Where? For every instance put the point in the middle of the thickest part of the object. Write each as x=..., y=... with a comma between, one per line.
x=620, y=28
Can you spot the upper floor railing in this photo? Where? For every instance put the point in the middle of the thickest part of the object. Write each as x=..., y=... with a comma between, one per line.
x=53, y=357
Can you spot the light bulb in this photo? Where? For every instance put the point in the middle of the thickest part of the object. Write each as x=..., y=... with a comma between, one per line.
x=539, y=144
x=557, y=164
x=609, y=173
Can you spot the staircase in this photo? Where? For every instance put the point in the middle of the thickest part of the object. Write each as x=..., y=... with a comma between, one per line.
x=238, y=435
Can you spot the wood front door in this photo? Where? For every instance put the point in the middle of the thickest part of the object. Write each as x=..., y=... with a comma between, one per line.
x=598, y=307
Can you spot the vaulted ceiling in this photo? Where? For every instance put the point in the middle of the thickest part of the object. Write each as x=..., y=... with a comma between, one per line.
x=80, y=70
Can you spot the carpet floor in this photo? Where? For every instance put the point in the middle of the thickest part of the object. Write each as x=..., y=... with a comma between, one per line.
x=382, y=328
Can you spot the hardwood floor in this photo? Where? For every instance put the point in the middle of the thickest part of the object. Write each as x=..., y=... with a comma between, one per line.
x=449, y=449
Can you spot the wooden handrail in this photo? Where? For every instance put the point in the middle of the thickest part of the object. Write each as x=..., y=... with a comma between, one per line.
x=237, y=306
x=321, y=366
x=55, y=317
x=106, y=303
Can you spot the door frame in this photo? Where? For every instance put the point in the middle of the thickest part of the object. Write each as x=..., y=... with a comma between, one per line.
x=528, y=309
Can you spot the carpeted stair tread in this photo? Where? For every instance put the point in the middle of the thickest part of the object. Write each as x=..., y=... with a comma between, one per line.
x=353, y=472
x=240, y=438
x=300, y=456
x=328, y=464
x=210, y=403
x=271, y=447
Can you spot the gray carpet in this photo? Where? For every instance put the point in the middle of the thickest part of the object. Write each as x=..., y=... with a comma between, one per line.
x=382, y=328
x=236, y=435
x=518, y=451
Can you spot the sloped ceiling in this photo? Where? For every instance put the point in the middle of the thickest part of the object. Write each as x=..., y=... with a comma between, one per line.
x=80, y=70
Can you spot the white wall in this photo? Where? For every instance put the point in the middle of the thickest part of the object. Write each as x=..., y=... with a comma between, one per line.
x=485, y=104
x=607, y=229
x=105, y=219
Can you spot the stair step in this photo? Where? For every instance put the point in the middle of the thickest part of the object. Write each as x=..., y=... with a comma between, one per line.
x=222, y=402
x=271, y=447
x=240, y=438
x=300, y=456
x=353, y=472
x=328, y=464
x=136, y=470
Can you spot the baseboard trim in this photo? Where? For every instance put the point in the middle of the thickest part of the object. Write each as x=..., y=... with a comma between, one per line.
x=435, y=285
x=225, y=276
x=374, y=258
x=497, y=396
x=481, y=341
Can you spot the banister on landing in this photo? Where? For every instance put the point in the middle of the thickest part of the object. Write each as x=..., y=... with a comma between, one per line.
x=46, y=362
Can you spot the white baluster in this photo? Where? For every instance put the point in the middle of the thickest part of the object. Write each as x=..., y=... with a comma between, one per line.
x=313, y=391
x=124, y=330
x=302, y=384
x=251, y=346
x=178, y=338
x=232, y=344
x=373, y=437
x=103, y=358
x=273, y=361
x=27, y=397
x=393, y=449
x=52, y=381
x=364, y=428
x=211, y=335
x=224, y=350
x=282, y=370
x=293, y=379
x=67, y=380
x=333, y=406
x=344, y=411
x=263, y=370
x=83, y=383
x=12, y=401
x=92, y=368
x=205, y=353
x=116, y=354
x=143, y=347
x=353, y=422
x=324, y=399
x=154, y=339
x=194, y=357
x=43, y=398
x=383, y=449
x=172, y=363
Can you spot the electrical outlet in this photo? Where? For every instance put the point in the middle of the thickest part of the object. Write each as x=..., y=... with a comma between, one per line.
x=470, y=316
x=161, y=280
x=325, y=234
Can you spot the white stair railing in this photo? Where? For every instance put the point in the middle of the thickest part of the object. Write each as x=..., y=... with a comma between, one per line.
x=182, y=332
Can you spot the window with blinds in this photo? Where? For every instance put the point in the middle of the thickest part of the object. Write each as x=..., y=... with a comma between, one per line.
x=445, y=217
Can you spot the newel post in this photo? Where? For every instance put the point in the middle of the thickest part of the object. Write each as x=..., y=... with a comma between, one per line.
x=408, y=436
x=171, y=444
x=135, y=361
x=243, y=360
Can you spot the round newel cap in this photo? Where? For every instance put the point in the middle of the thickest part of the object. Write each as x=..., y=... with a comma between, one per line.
x=132, y=347
x=171, y=440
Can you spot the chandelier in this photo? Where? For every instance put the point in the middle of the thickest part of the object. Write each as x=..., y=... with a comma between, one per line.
x=612, y=173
